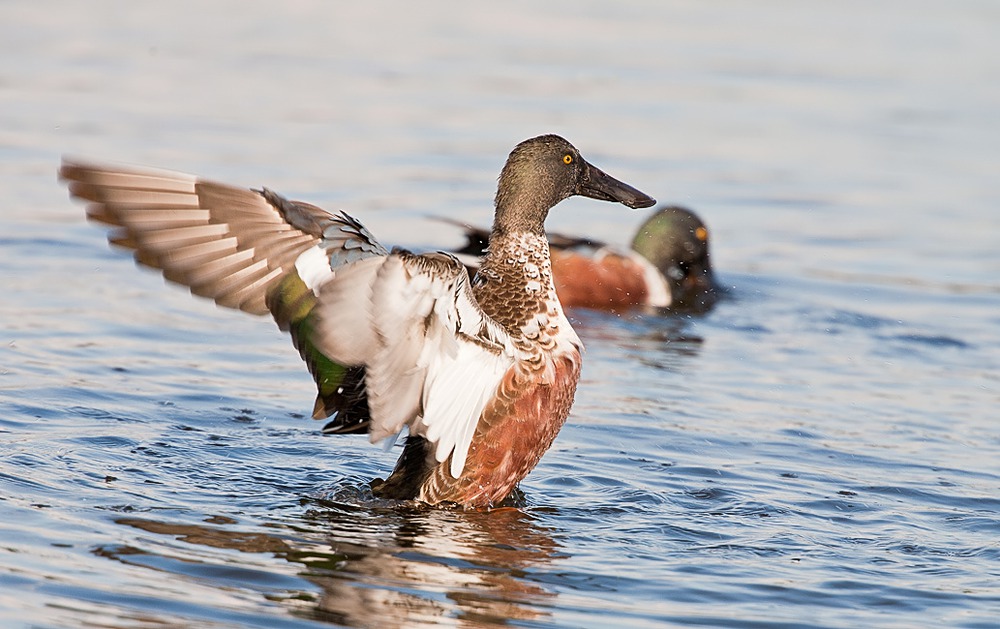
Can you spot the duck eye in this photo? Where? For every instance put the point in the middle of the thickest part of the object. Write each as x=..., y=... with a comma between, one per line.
x=567, y=159
x=701, y=234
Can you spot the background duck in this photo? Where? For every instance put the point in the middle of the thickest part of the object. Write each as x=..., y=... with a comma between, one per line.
x=667, y=266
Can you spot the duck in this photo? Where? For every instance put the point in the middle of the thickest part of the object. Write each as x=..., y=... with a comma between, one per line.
x=479, y=373
x=667, y=266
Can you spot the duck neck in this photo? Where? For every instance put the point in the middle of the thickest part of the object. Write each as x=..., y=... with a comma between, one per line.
x=514, y=285
x=518, y=213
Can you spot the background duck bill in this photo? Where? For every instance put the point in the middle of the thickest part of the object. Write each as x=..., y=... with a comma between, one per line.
x=597, y=184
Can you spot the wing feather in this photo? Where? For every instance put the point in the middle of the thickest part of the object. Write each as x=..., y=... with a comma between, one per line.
x=433, y=359
x=186, y=256
x=231, y=244
x=455, y=396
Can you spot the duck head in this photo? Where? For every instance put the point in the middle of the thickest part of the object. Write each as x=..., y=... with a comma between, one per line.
x=543, y=171
x=675, y=240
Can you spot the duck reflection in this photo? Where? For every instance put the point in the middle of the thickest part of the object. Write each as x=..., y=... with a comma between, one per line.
x=392, y=566
x=466, y=565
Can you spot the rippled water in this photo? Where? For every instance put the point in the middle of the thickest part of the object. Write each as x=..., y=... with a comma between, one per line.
x=820, y=450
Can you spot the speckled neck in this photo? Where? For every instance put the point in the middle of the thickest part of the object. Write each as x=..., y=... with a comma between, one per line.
x=514, y=283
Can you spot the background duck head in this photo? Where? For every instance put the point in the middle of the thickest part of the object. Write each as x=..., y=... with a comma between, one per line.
x=675, y=240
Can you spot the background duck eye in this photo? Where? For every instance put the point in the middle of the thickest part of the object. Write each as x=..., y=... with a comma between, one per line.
x=567, y=159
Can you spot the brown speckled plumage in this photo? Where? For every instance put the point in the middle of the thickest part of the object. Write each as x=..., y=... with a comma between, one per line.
x=535, y=396
x=502, y=286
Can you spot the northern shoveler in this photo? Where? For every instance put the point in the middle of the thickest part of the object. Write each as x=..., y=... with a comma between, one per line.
x=667, y=266
x=482, y=374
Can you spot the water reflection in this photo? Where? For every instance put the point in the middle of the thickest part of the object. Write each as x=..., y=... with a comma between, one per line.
x=392, y=566
x=661, y=340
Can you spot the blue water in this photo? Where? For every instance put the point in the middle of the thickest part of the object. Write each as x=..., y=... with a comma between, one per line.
x=822, y=449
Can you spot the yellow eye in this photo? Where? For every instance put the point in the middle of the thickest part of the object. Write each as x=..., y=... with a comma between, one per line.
x=567, y=159
x=701, y=234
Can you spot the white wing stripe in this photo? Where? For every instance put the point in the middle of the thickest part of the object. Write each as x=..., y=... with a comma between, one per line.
x=455, y=396
x=313, y=267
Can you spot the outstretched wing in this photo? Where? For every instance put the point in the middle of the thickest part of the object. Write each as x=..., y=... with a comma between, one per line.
x=243, y=248
x=226, y=243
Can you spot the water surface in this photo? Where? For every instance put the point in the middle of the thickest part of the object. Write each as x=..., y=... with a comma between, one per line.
x=819, y=450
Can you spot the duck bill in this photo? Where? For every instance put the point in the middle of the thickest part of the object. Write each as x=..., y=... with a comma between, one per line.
x=699, y=281
x=597, y=184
